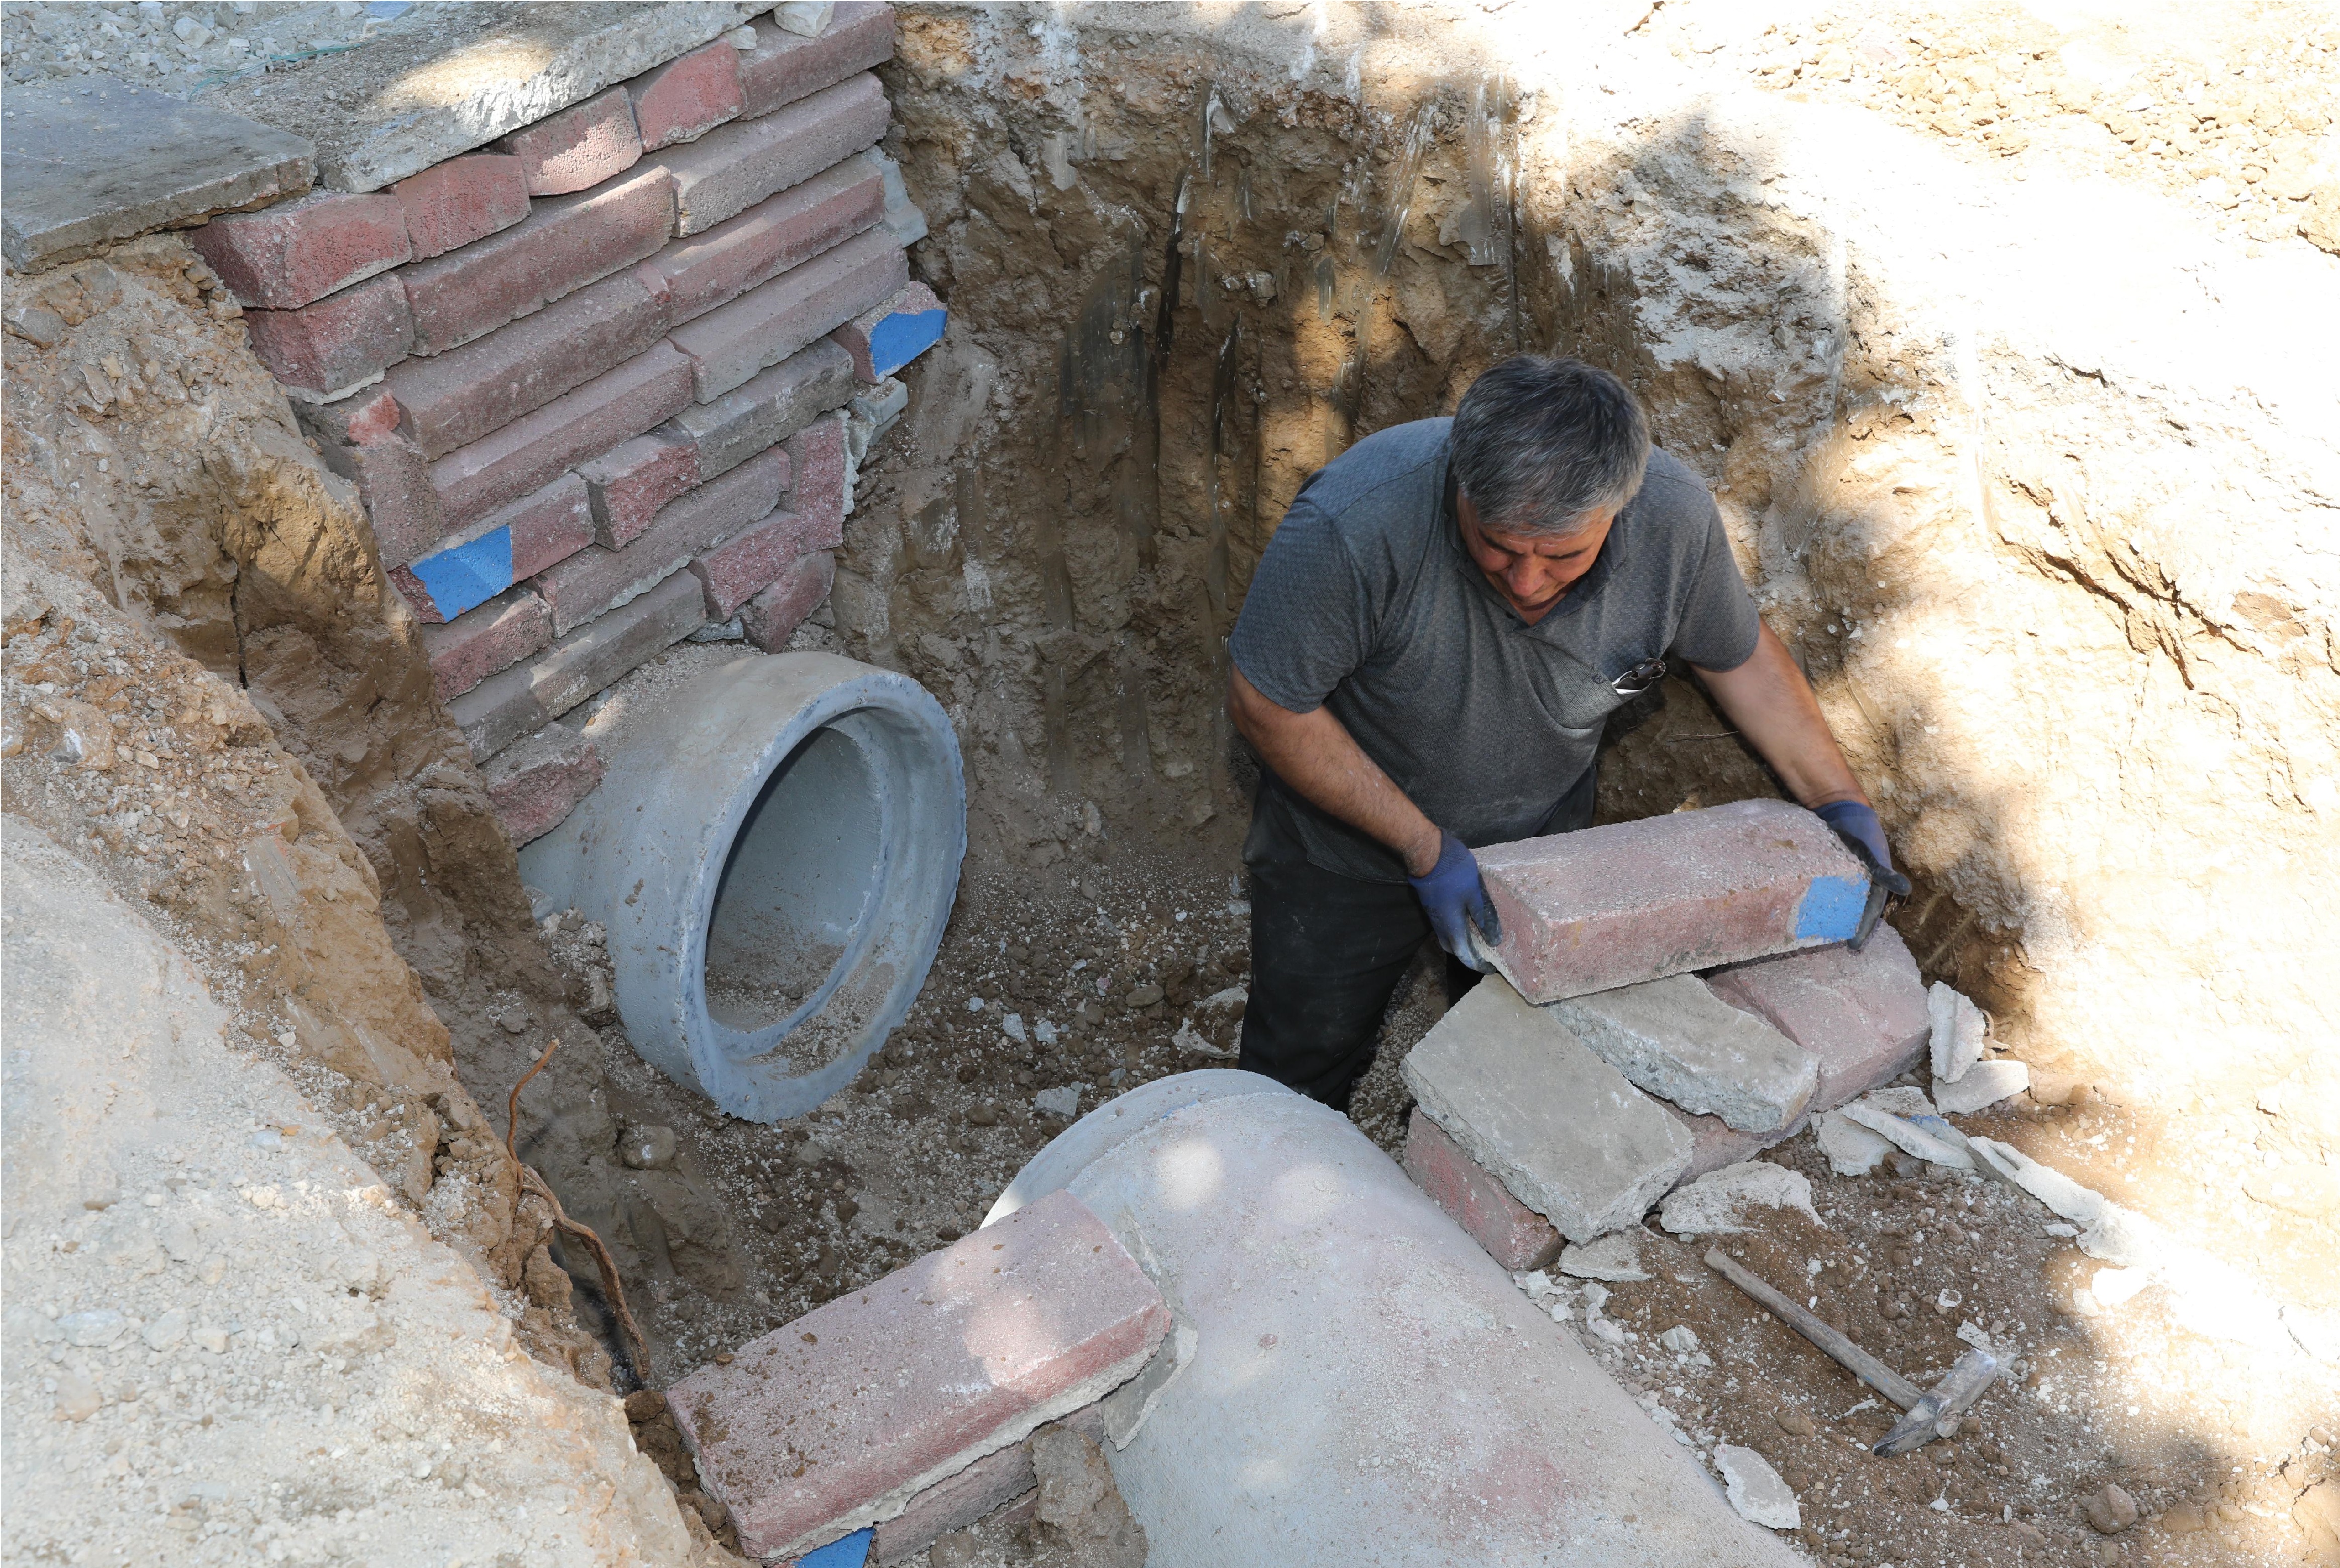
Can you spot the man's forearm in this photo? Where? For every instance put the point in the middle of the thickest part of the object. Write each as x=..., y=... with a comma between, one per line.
x=1316, y=754
x=1772, y=704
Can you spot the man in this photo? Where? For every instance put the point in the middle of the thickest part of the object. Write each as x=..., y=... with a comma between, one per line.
x=1435, y=636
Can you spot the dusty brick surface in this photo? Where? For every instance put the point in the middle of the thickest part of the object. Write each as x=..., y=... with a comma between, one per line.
x=507, y=546
x=688, y=96
x=484, y=641
x=954, y=1504
x=1514, y=1235
x=771, y=618
x=522, y=700
x=535, y=783
x=564, y=243
x=342, y=341
x=734, y=166
x=579, y=147
x=704, y=271
x=785, y=67
x=750, y=561
x=359, y=439
x=1632, y=901
x=816, y=1428
x=884, y=339
x=629, y=485
x=772, y=407
x=591, y=582
x=288, y=255
x=450, y=204
x=527, y=453
x=1862, y=1015
x=453, y=399
x=729, y=345
x=817, y=480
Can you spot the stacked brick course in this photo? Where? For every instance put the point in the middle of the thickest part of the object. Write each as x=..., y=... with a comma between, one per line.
x=584, y=377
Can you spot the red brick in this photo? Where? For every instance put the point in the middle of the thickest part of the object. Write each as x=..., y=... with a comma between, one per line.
x=705, y=271
x=527, y=453
x=629, y=485
x=854, y=336
x=688, y=96
x=518, y=701
x=534, y=783
x=817, y=480
x=466, y=198
x=453, y=399
x=594, y=581
x=784, y=67
x=1512, y=1233
x=285, y=256
x=1715, y=1143
x=579, y=147
x=733, y=167
x=359, y=439
x=342, y=341
x=770, y=408
x=480, y=642
x=1632, y=901
x=771, y=618
x=749, y=562
x=764, y=326
x=547, y=528
x=1863, y=1014
x=830, y=1422
x=563, y=244
x=954, y=1504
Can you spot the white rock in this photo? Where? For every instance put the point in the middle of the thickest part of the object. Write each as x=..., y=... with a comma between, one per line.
x=179, y=1239
x=1064, y=1100
x=1616, y=1258
x=2114, y=1286
x=742, y=39
x=1012, y=1026
x=1851, y=1149
x=1958, y=1027
x=98, y=1326
x=1983, y=1083
x=165, y=1331
x=1756, y=1489
x=1714, y=1204
x=212, y=1337
x=1900, y=1100
x=1908, y=1136
x=806, y=18
x=1681, y=1339
x=77, y=1397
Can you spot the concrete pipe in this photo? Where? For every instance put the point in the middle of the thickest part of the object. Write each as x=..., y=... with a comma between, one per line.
x=1363, y=1385
x=773, y=854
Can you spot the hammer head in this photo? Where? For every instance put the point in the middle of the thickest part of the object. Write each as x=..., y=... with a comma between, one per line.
x=1936, y=1413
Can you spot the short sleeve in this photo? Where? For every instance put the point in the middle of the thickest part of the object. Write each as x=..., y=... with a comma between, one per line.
x=1717, y=622
x=1305, y=625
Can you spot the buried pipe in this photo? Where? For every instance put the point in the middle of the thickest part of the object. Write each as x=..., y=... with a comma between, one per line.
x=773, y=855
x=1365, y=1384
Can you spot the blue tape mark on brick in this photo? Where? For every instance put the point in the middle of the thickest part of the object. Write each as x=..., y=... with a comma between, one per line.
x=1831, y=908
x=903, y=337
x=468, y=574
x=851, y=1552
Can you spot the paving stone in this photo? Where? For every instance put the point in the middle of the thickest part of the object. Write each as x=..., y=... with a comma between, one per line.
x=1682, y=1043
x=729, y=345
x=340, y=343
x=99, y=161
x=771, y=618
x=289, y=254
x=530, y=452
x=1863, y=1016
x=523, y=539
x=785, y=67
x=450, y=204
x=772, y=407
x=593, y=581
x=742, y=566
x=818, y=480
x=884, y=339
x=486, y=639
x=1632, y=901
x=1530, y=1103
x=688, y=96
x=579, y=147
x=1956, y=1030
x=836, y=1421
x=534, y=783
x=704, y=271
x=359, y=439
x=564, y=243
x=1513, y=1235
x=417, y=96
x=735, y=166
x=522, y=699
x=453, y=399
x=629, y=485
x=1983, y=1085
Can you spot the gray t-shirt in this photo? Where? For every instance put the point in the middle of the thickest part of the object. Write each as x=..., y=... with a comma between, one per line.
x=1365, y=603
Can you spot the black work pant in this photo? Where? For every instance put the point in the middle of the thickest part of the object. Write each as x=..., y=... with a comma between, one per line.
x=1327, y=952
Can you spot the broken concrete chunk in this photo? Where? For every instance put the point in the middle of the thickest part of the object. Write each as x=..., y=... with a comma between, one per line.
x=1851, y=1149
x=1983, y=1083
x=1615, y=1257
x=1910, y=1138
x=1680, y=1041
x=1714, y=1205
x=1958, y=1027
x=1756, y=1489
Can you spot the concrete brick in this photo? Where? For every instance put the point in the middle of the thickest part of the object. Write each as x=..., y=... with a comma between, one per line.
x=772, y=407
x=742, y=566
x=688, y=96
x=594, y=581
x=453, y=399
x=1680, y=1042
x=707, y=270
x=785, y=67
x=564, y=243
x=1634, y=901
x=1561, y=1128
x=527, y=453
x=903, y=218
x=340, y=342
x=579, y=147
x=522, y=699
x=288, y=255
x=486, y=639
x=534, y=783
x=735, y=166
x=519, y=541
x=729, y=345
x=1514, y=1235
x=771, y=618
x=450, y=205
x=359, y=439
x=885, y=338
x=629, y=485
x=1863, y=1016
x=805, y=1438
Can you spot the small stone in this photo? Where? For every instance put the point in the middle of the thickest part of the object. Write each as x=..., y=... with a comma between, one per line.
x=1755, y=1489
x=1795, y=1423
x=1851, y=1149
x=166, y=1331
x=77, y=1397
x=984, y=1115
x=98, y=1326
x=2111, y=1511
x=212, y=1337
x=1981, y=1086
x=515, y=1023
x=648, y=1148
x=1064, y=1100
x=212, y=1269
x=1615, y=1257
x=1680, y=1339
x=1714, y=1204
x=1958, y=1027
x=1143, y=996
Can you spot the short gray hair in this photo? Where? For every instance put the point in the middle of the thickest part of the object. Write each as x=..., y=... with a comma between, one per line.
x=1541, y=444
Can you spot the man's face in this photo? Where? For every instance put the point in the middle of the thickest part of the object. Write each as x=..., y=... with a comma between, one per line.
x=1531, y=571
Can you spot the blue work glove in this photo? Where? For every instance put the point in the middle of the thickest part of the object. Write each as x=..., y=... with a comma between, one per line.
x=1451, y=894
x=1864, y=835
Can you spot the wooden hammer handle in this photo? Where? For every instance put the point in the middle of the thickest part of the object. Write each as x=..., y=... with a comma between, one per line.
x=1851, y=1356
